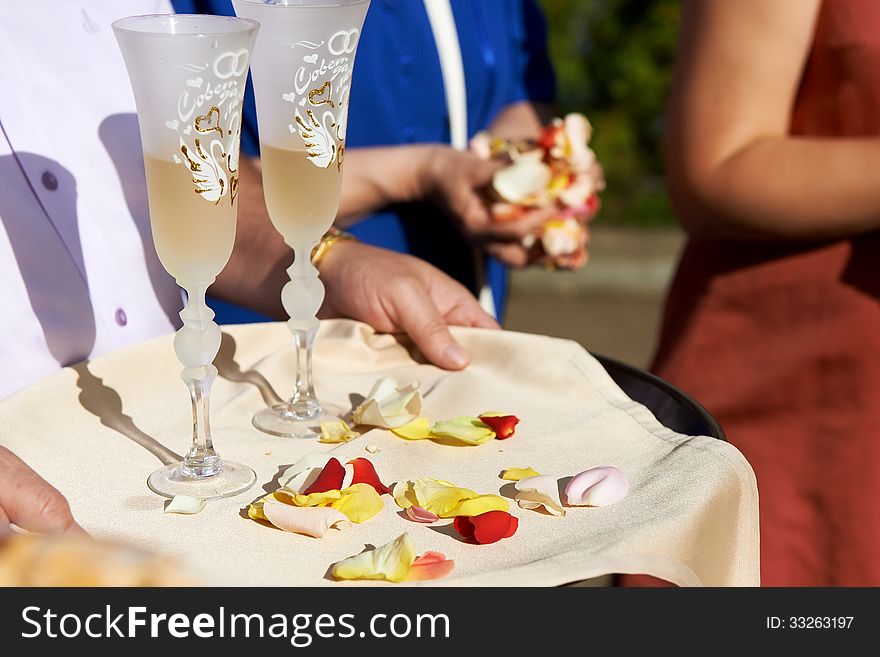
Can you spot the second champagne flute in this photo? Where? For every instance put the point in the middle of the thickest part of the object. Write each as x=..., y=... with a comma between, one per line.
x=302, y=65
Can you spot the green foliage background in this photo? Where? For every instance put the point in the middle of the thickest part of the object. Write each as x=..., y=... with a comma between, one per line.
x=613, y=61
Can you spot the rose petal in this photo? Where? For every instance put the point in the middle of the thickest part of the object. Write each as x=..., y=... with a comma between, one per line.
x=418, y=429
x=539, y=492
x=310, y=521
x=365, y=473
x=486, y=528
x=389, y=405
x=431, y=565
x=468, y=430
x=336, y=431
x=503, y=425
x=418, y=514
x=391, y=562
x=481, y=145
x=597, y=487
x=255, y=509
x=359, y=502
x=330, y=478
x=525, y=177
x=184, y=504
x=515, y=474
x=445, y=499
x=562, y=237
x=306, y=465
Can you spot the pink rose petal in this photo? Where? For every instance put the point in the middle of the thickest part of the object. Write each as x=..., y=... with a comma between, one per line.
x=418, y=514
x=597, y=487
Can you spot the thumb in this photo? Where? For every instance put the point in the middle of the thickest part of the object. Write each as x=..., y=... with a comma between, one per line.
x=420, y=319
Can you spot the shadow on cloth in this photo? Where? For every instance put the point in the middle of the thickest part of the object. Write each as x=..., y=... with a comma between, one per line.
x=105, y=403
x=231, y=371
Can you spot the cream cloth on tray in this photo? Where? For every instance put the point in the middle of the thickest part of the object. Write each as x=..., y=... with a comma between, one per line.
x=97, y=430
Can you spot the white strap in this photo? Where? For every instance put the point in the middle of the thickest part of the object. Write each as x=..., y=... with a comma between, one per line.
x=452, y=69
x=451, y=66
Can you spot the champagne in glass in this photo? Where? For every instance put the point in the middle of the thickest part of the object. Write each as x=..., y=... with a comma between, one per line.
x=188, y=74
x=302, y=66
x=299, y=195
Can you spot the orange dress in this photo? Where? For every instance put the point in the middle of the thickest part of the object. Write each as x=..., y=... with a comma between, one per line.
x=781, y=342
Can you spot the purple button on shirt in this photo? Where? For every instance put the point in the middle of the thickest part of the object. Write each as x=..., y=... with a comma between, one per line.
x=121, y=317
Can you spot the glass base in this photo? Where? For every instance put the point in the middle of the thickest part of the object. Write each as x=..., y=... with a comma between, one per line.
x=233, y=478
x=296, y=421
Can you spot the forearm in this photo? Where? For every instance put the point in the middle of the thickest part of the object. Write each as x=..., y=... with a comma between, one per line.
x=377, y=177
x=786, y=188
x=257, y=269
x=522, y=120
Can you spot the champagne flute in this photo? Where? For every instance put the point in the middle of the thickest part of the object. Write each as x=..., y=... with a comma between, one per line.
x=302, y=66
x=188, y=74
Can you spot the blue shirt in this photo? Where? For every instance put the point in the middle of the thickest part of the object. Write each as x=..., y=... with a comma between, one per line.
x=397, y=97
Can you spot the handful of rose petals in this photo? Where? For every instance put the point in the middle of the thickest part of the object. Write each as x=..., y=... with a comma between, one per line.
x=557, y=170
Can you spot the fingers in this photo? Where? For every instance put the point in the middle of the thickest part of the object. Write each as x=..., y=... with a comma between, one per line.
x=524, y=226
x=471, y=314
x=27, y=500
x=473, y=214
x=421, y=320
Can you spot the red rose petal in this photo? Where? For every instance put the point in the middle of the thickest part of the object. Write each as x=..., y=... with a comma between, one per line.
x=504, y=426
x=489, y=527
x=330, y=478
x=365, y=473
x=464, y=526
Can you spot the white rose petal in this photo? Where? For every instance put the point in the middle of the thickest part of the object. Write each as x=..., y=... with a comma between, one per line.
x=185, y=504
x=539, y=492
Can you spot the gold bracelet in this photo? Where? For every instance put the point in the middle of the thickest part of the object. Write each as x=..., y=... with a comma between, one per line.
x=331, y=237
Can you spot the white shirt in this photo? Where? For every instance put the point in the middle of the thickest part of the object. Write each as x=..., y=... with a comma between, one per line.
x=78, y=272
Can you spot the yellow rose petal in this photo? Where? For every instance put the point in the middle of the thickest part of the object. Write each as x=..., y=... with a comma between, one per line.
x=468, y=430
x=327, y=498
x=418, y=429
x=404, y=495
x=390, y=562
x=445, y=499
x=359, y=502
x=255, y=510
x=336, y=431
x=479, y=505
x=515, y=474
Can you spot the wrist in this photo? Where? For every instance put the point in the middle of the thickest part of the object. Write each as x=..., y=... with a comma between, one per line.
x=427, y=172
x=330, y=242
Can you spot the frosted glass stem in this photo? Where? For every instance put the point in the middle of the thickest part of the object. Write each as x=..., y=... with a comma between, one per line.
x=302, y=297
x=196, y=345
